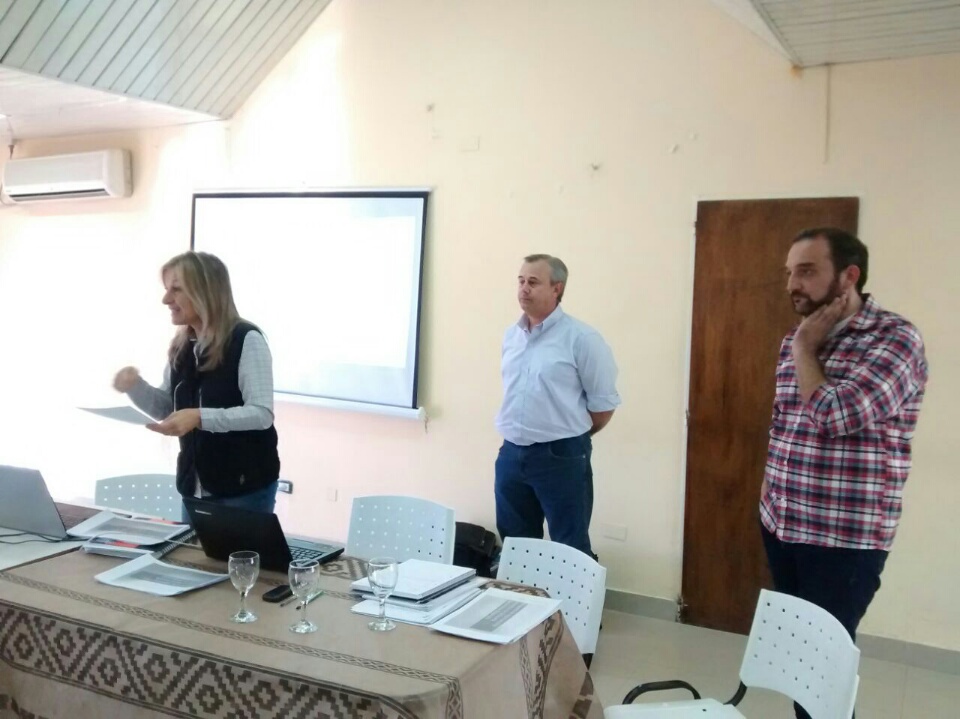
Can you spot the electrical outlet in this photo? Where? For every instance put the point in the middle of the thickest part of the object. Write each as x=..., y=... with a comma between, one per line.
x=614, y=531
x=331, y=494
x=285, y=486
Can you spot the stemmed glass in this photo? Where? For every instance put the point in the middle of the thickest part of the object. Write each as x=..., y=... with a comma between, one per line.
x=382, y=573
x=304, y=576
x=244, y=569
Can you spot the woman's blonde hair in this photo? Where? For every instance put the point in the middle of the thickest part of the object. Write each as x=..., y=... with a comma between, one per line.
x=206, y=283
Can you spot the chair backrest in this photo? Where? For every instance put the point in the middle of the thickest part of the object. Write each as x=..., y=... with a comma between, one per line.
x=802, y=651
x=565, y=573
x=153, y=494
x=402, y=528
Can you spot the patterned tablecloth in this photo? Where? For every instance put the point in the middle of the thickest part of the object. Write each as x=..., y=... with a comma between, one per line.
x=72, y=648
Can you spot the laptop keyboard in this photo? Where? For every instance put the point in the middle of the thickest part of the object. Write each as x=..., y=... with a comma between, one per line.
x=312, y=553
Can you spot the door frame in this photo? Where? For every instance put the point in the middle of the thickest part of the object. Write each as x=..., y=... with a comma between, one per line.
x=688, y=343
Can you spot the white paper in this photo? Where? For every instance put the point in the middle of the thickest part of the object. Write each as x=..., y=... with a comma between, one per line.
x=128, y=550
x=417, y=579
x=121, y=414
x=422, y=612
x=114, y=548
x=498, y=616
x=152, y=576
x=136, y=531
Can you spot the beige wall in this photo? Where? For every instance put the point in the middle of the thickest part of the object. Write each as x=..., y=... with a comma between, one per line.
x=584, y=129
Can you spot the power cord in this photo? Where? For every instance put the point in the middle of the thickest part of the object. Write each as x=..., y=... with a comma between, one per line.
x=37, y=538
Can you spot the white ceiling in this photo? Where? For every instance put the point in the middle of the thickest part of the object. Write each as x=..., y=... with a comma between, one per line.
x=827, y=32
x=79, y=66
x=38, y=107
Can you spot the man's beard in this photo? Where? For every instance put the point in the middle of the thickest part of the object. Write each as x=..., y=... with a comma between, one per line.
x=809, y=305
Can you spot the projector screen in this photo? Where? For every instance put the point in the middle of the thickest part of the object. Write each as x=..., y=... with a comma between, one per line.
x=333, y=279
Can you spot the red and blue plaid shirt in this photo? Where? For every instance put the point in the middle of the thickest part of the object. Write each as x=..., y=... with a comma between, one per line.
x=837, y=464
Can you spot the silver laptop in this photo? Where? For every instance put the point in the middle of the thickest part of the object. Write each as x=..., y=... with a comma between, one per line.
x=26, y=504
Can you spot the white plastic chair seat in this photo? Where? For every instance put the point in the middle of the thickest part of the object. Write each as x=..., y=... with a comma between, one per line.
x=566, y=574
x=794, y=648
x=402, y=528
x=692, y=709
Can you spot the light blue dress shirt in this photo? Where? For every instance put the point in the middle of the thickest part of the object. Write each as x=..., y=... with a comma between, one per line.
x=553, y=374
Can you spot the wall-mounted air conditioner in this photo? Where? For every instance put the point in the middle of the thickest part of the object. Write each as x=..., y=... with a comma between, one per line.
x=84, y=175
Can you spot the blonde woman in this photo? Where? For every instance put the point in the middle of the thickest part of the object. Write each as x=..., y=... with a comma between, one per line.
x=217, y=391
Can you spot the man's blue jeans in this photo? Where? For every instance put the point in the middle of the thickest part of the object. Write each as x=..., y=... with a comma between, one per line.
x=263, y=500
x=549, y=480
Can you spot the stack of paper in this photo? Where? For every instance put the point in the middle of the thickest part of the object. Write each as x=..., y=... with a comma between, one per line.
x=428, y=612
x=121, y=414
x=418, y=580
x=146, y=532
x=499, y=616
x=130, y=550
x=147, y=574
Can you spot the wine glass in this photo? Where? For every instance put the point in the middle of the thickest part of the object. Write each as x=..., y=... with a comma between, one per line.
x=382, y=573
x=244, y=569
x=304, y=576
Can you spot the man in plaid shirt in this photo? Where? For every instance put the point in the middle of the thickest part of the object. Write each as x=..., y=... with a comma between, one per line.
x=850, y=381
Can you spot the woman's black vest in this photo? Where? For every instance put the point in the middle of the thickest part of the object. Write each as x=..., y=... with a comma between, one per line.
x=228, y=464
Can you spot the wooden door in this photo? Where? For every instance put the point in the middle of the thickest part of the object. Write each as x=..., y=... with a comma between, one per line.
x=740, y=314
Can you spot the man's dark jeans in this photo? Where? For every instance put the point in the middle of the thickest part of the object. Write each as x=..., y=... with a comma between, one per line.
x=842, y=581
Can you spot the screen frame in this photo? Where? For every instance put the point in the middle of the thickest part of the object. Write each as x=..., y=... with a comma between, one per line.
x=421, y=193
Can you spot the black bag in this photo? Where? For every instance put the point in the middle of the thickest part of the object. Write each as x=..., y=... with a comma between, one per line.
x=474, y=547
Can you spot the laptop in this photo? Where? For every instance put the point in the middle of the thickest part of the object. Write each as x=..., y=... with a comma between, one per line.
x=26, y=504
x=223, y=530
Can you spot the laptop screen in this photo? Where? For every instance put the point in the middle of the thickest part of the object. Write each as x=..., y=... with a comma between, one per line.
x=26, y=504
x=222, y=530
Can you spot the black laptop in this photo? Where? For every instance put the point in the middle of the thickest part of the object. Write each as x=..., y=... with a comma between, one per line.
x=223, y=530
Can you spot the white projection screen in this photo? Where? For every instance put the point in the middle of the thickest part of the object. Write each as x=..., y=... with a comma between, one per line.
x=333, y=279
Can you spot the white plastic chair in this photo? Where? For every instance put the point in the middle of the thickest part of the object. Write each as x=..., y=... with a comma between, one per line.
x=795, y=648
x=402, y=528
x=565, y=573
x=153, y=494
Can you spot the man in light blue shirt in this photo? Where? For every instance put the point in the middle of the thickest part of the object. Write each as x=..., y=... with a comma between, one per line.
x=559, y=388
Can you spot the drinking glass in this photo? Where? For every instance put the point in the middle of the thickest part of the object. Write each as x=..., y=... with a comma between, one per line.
x=382, y=573
x=244, y=568
x=304, y=576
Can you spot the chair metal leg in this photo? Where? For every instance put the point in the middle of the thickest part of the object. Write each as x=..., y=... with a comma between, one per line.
x=736, y=698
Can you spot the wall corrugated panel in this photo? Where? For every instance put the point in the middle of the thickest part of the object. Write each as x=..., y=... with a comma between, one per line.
x=33, y=31
x=177, y=45
x=58, y=33
x=119, y=20
x=818, y=32
x=792, y=11
x=205, y=55
x=230, y=104
x=232, y=51
x=174, y=27
x=276, y=45
x=16, y=16
x=119, y=48
x=908, y=25
x=167, y=88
